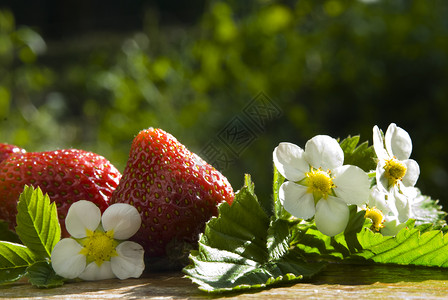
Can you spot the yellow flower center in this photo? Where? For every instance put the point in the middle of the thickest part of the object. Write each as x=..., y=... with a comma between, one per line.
x=394, y=170
x=319, y=183
x=99, y=246
x=376, y=216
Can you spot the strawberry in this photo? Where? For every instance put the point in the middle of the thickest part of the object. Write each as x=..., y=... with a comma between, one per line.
x=174, y=190
x=6, y=150
x=65, y=175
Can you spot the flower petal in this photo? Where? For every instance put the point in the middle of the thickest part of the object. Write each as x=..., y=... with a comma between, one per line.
x=412, y=172
x=296, y=200
x=410, y=192
x=403, y=205
x=392, y=227
x=289, y=161
x=129, y=262
x=352, y=184
x=378, y=199
x=378, y=144
x=95, y=272
x=66, y=260
x=82, y=215
x=123, y=219
x=331, y=216
x=323, y=151
x=398, y=142
x=383, y=202
x=381, y=179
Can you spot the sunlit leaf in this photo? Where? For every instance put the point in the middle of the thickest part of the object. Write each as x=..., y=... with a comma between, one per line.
x=361, y=155
x=241, y=250
x=14, y=259
x=280, y=211
x=37, y=222
x=420, y=246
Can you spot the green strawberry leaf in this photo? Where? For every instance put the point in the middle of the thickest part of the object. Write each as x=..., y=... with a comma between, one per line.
x=6, y=234
x=362, y=156
x=427, y=210
x=423, y=245
x=42, y=275
x=243, y=249
x=419, y=246
x=280, y=212
x=14, y=260
x=315, y=245
x=355, y=224
x=37, y=222
x=278, y=239
x=266, y=203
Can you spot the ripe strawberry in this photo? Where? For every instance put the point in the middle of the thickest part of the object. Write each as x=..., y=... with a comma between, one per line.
x=65, y=175
x=6, y=150
x=174, y=190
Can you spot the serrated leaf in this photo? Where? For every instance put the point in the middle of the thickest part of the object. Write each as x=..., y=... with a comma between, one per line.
x=349, y=144
x=315, y=245
x=278, y=239
x=240, y=228
x=355, y=224
x=427, y=210
x=361, y=155
x=37, y=222
x=239, y=250
x=42, y=275
x=14, y=259
x=266, y=204
x=418, y=246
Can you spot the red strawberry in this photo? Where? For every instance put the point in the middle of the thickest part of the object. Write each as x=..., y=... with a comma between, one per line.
x=65, y=175
x=6, y=150
x=174, y=190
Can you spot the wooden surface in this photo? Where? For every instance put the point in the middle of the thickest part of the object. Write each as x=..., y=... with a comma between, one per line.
x=336, y=282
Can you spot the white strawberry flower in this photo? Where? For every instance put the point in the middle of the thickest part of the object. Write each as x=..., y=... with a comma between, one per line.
x=394, y=219
x=394, y=170
x=97, y=248
x=396, y=173
x=319, y=184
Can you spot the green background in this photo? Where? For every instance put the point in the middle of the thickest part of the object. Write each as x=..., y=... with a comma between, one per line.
x=68, y=80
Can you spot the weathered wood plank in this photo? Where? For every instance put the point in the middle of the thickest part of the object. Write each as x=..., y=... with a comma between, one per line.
x=337, y=281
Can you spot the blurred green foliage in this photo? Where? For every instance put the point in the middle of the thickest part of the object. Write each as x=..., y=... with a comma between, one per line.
x=333, y=67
